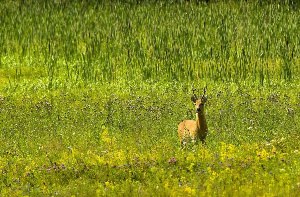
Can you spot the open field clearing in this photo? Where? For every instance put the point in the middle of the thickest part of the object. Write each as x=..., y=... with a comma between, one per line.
x=91, y=95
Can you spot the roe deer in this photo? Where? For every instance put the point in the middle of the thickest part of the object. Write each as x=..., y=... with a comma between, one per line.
x=194, y=129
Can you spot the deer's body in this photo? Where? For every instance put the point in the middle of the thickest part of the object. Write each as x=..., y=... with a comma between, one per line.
x=194, y=129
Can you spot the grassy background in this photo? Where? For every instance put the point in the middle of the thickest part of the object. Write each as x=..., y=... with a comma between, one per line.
x=91, y=95
x=95, y=42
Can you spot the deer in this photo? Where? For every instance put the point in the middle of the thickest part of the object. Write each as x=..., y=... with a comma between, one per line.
x=194, y=129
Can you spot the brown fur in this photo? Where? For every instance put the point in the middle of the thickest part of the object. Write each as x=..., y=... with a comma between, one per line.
x=194, y=129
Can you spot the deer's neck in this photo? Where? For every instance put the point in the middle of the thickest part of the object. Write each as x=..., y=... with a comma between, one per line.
x=200, y=120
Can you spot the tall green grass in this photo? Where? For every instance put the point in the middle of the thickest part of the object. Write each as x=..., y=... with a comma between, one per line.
x=102, y=41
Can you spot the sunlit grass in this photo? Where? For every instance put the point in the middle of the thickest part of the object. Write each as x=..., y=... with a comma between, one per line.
x=113, y=141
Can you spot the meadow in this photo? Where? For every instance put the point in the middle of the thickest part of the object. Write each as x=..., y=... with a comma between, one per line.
x=91, y=94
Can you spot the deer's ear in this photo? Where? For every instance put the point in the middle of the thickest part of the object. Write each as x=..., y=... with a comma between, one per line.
x=203, y=99
x=194, y=98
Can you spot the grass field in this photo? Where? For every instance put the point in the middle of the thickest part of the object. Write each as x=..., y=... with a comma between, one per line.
x=91, y=94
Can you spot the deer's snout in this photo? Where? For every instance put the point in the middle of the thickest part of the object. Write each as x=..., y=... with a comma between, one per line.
x=199, y=107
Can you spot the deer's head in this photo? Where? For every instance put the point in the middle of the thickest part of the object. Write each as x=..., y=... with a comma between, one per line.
x=199, y=101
